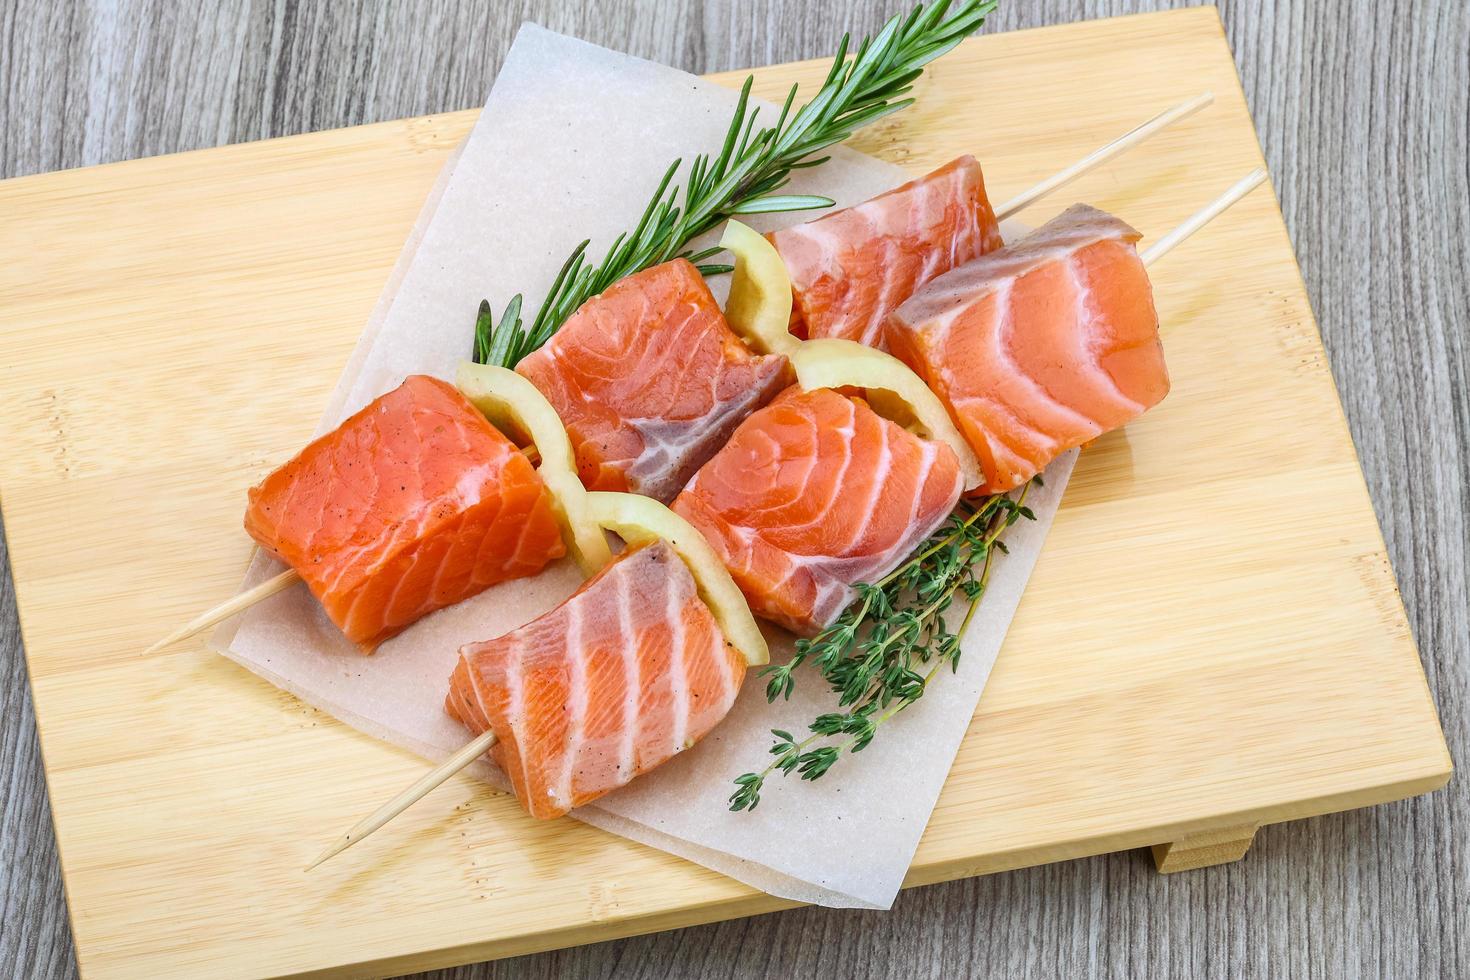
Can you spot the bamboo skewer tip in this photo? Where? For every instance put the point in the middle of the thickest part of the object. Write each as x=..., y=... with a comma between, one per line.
x=1104, y=153
x=424, y=785
x=1203, y=216
x=223, y=611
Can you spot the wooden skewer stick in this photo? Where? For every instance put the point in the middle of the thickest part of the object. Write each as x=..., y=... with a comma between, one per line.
x=1103, y=154
x=228, y=608
x=409, y=797
x=1204, y=216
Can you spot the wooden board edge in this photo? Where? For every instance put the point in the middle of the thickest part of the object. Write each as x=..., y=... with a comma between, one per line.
x=757, y=903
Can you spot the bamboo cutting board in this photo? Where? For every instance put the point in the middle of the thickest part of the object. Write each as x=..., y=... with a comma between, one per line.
x=1211, y=641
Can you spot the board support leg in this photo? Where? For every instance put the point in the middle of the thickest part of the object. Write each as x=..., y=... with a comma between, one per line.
x=1202, y=850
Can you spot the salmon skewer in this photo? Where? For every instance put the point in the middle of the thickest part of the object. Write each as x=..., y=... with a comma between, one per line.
x=469, y=707
x=851, y=267
x=332, y=512
x=680, y=442
x=1041, y=346
x=634, y=668
x=621, y=677
x=413, y=504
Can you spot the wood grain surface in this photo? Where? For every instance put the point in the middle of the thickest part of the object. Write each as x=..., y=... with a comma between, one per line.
x=1364, y=120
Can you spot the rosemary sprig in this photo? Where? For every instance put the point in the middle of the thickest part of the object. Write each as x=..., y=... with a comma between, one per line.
x=881, y=654
x=750, y=167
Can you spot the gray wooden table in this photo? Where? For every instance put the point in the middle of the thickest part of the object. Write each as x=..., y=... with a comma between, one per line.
x=1364, y=114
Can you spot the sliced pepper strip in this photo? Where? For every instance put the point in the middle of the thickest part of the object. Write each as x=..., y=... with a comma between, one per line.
x=759, y=306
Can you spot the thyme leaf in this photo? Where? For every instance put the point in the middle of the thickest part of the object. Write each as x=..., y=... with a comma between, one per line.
x=882, y=653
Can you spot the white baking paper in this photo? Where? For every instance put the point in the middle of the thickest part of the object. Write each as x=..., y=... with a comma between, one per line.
x=570, y=145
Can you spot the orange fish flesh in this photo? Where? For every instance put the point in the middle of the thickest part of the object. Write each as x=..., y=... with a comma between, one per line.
x=814, y=493
x=628, y=672
x=1041, y=346
x=413, y=504
x=650, y=380
x=851, y=268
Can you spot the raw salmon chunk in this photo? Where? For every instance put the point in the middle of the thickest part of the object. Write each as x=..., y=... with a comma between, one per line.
x=411, y=505
x=1040, y=346
x=650, y=380
x=851, y=268
x=627, y=673
x=814, y=493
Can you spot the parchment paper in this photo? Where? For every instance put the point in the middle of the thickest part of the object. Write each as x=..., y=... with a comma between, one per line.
x=571, y=144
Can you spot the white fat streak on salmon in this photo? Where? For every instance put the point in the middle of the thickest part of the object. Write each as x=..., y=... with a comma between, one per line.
x=576, y=646
x=898, y=286
x=873, y=565
x=871, y=333
x=375, y=610
x=881, y=469
x=511, y=671
x=678, y=670
x=1001, y=339
x=848, y=432
x=811, y=252
x=521, y=547
x=631, y=691
x=515, y=707
x=1088, y=316
x=939, y=331
x=919, y=525
x=728, y=686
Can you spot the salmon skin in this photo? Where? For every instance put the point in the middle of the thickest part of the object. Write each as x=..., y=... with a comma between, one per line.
x=1041, y=346
x=851, y=268
x=621, y=677
x=413, y=504
x=816, y=492
x=650, y=380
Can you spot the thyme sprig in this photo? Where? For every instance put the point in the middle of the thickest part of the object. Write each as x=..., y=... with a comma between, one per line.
x=750, y=167
x=881, y=654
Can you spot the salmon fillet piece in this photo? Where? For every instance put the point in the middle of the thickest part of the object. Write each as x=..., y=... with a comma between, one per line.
x=816, y=492
x=628, y=672
x=413, y=504
x=650, y=380
x=849, y=269
x=1041, y=346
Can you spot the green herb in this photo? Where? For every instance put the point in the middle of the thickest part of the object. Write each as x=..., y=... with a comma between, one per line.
x=744, y=176
x=881, y=654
